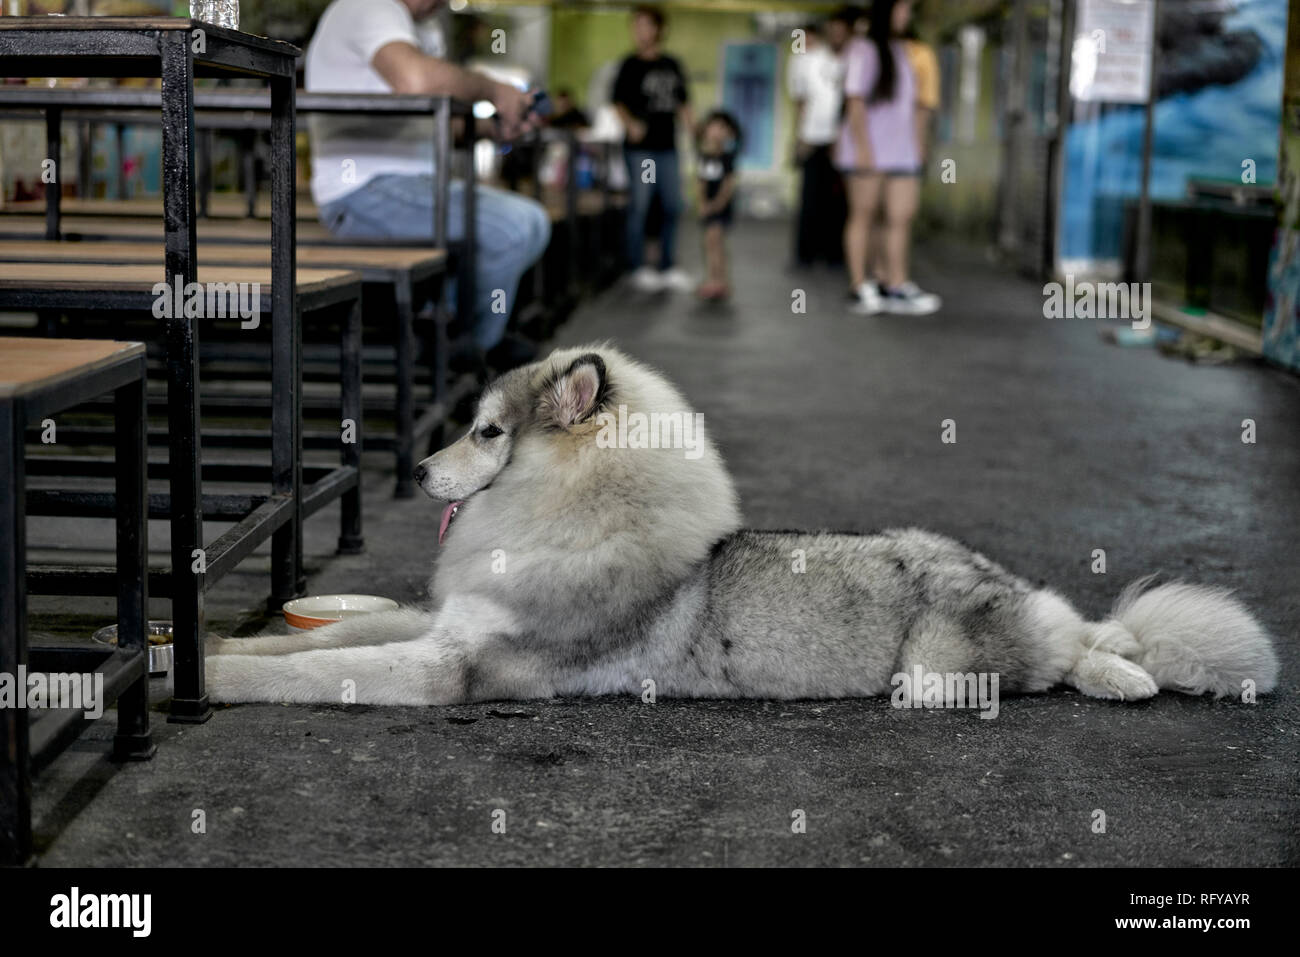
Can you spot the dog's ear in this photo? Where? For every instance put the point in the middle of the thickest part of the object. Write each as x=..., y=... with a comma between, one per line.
x=577, y=392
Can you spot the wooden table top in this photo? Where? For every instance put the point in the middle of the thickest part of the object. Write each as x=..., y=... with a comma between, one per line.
x=145, y=253
x=31, y=365
x=133, y=278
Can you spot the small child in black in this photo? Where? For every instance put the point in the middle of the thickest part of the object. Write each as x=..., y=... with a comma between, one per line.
x=719, y=144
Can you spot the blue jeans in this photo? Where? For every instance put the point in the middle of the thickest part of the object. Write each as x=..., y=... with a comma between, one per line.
x=668, y=186
x=513, y=232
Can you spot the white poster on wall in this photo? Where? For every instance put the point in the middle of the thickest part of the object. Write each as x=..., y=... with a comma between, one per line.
x=1111, y=57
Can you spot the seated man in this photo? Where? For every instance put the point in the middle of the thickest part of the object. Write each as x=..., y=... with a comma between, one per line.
x=372, y=176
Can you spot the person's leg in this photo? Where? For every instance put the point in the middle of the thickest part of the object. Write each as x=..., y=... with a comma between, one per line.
x=639, y=194
x=877, y=261
x=512, y=232
x=724, y=276
x=713, y=254
x=826, y=217
x=805, y=237
x=835, y=211
x=902, y=196
x=863, y=199
x=387, y=207
x=669, y=183
x=900, y=294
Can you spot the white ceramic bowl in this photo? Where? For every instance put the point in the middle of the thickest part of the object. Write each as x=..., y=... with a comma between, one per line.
x=317, y=610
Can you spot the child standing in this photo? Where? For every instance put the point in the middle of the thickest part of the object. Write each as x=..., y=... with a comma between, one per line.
x=718, y=145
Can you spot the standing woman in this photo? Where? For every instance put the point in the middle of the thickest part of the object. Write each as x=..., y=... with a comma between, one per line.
x=880, y=156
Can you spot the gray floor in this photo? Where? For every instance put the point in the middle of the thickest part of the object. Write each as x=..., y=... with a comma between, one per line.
x=1065, y=444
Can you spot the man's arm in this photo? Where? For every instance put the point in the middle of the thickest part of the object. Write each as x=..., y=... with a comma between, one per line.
x=407, y=69
x=684, y=112
x=687, y=117
x=635, y=128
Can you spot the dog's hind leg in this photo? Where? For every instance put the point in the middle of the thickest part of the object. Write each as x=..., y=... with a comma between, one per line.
x=430, y=670
x=404, y=624
x=1102, y=674
x=1090, y=656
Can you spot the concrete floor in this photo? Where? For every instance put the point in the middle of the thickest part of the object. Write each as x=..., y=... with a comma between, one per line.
x=828, y=420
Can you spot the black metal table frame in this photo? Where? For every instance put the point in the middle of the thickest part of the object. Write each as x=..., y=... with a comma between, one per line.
x=407, y=287
x=257, y=517
x=215, y=109
x=166, y=48
x=30, y=744
x=252, y=107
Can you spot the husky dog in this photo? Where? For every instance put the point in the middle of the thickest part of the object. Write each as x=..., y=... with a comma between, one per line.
x=580, y=557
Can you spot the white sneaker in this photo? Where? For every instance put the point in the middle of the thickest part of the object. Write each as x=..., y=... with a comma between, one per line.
x=678, y=280
x=865, y=300
x=910, y=300
x=646, y=279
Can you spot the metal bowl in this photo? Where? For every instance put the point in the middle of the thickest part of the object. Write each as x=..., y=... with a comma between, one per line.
x=160, y=652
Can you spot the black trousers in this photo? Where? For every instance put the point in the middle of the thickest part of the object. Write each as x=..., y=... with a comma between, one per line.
x=819, y=230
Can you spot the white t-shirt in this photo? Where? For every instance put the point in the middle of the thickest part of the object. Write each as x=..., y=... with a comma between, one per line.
x=349, y=150
x=817, y=77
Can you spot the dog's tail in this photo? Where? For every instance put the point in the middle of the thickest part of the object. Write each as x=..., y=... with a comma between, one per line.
x=1196, y=639
x=1189, y=638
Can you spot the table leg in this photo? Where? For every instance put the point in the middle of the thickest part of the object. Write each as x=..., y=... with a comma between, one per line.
x=248, y=159
x=206, y=144
x=405, y=304
x=15, y=758
x=287, y=579
x=53, y=154
x=469, y=253
x=133, y=741
x=350, y=539
x=190, y=700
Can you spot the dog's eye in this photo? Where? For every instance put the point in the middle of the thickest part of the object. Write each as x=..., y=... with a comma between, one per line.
x=489, y=432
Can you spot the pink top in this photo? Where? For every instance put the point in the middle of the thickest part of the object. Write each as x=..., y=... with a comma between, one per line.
x=890, y=128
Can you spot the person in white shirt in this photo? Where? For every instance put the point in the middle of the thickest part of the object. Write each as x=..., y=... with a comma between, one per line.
x=815, y=80
x=372, y=176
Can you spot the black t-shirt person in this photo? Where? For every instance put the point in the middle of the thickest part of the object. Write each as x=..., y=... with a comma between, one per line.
x=652, y=91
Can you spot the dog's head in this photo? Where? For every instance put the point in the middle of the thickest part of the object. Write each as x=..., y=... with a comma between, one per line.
x=564, y=479
x=547, y=397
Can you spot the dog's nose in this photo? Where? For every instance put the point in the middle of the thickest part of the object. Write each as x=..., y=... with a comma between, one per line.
x=420, y=473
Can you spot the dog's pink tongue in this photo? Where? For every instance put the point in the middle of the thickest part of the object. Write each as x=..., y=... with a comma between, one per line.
x=446, y=520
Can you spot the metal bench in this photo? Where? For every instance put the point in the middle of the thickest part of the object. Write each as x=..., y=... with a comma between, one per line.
x=39, y=377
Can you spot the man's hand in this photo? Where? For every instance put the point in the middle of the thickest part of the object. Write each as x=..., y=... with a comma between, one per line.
x=512, y=108
x=636, y=130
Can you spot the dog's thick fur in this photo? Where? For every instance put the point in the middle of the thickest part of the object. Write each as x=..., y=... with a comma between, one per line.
x=574, y=568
